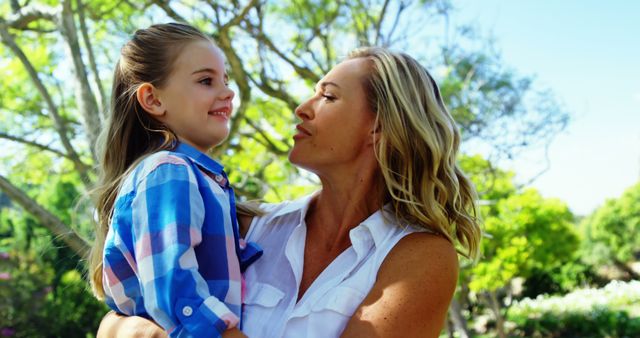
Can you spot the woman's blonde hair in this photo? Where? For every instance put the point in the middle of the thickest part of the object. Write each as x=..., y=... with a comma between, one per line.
x=417, y=147
x=131, y=134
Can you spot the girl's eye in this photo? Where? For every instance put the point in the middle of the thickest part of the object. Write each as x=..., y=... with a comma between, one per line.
x=206, y=81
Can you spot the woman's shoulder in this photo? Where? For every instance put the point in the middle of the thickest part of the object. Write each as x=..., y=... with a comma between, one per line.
x=426, y=254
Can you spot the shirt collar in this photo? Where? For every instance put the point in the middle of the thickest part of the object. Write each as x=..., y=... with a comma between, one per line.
x=376, y=227
x=203, y=160
x=300, y=205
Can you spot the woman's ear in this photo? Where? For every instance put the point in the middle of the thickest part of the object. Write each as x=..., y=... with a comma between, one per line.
x=375, y=134
x=147, y=96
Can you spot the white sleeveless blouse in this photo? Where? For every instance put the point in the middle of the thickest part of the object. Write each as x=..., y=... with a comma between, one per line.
x=272, y=282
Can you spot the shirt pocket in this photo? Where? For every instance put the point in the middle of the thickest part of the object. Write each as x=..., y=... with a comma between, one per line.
x=262, y=310
x=264, y=295
x=343, y=300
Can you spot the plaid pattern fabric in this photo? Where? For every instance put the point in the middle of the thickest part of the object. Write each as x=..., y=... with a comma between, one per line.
x=173, y=252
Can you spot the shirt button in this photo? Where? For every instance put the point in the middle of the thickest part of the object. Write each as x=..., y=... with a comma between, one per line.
x=187, y=311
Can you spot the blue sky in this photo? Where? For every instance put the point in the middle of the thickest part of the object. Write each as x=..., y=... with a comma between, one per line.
x=588, y=53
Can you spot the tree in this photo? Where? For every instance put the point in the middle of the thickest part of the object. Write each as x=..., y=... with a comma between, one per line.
x=610, y=233
x=45, y=41
x=526, y=234
x=57, y=58
x=58, y=55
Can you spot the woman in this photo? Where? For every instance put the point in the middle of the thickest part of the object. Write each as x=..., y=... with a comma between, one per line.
x=373, y=253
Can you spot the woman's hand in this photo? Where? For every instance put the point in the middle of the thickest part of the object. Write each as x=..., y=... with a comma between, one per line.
x=114, y=325
x=412, y=293
x=244, y=222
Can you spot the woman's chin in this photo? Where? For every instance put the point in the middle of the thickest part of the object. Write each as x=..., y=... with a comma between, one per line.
x=301, y=161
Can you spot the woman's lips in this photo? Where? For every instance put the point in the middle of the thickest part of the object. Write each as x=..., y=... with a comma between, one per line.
x=302, y=133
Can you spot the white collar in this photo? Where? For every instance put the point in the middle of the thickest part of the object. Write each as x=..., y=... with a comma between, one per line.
x=376, y=226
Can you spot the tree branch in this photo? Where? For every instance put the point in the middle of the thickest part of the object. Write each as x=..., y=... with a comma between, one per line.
x=302, y=71
x=269, y=143
x=378, y=23
x=92, y=61
x=279, y=93
x=32, y=143
x=237, y=69
x=240, y=17
x=48, y=220
x=86, y=100
x=164, y=5
x=15, y=5
x=21, y=18
x=58, y=122
x=40, y=146
x=401, y=7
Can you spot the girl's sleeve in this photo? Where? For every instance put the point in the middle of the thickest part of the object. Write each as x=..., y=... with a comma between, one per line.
x=167, y=214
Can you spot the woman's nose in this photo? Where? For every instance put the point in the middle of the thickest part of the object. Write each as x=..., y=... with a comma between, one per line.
x=304, y=111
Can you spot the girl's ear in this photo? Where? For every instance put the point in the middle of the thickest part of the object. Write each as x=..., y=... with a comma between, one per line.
x=147, y=96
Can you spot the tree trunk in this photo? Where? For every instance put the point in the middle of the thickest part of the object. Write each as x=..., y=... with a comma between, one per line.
x=494, y=304
x=48, y=220
x=459, y=322
x=625, y=268
x=451, y=330
x=87, y=103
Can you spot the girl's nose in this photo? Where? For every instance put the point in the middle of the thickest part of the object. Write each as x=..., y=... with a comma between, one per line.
x=228, y=94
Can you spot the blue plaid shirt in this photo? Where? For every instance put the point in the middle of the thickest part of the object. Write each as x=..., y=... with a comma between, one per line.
x=173, y=252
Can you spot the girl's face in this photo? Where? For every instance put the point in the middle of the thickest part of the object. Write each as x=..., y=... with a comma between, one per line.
x=196, y=97
x=336, y=132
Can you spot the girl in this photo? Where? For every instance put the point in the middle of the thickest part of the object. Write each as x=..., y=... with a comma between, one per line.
x=167, y=246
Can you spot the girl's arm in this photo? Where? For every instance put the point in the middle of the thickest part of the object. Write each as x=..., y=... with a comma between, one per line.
x=165, y=221
x=412, y=292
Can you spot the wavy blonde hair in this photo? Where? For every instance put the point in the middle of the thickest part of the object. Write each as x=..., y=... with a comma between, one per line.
x=131, y=134
x=417, y=148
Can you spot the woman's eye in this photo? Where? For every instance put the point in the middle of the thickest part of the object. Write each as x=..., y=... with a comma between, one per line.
x=328, y=97
x=206, y=82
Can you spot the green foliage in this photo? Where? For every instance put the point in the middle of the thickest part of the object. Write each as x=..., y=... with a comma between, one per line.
x=611, y=231
x=35, y=306
x=526, y=233
x=599, y=323
x=282, y=49
x=612, y=311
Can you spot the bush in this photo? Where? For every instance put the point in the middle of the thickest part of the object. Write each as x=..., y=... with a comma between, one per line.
x=33, y=306
x=608, y=312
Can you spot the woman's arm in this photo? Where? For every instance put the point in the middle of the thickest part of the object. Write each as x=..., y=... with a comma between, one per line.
x=114, y=325
x=412, y=292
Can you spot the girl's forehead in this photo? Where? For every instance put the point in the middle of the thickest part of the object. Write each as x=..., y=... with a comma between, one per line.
x=199, y=55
